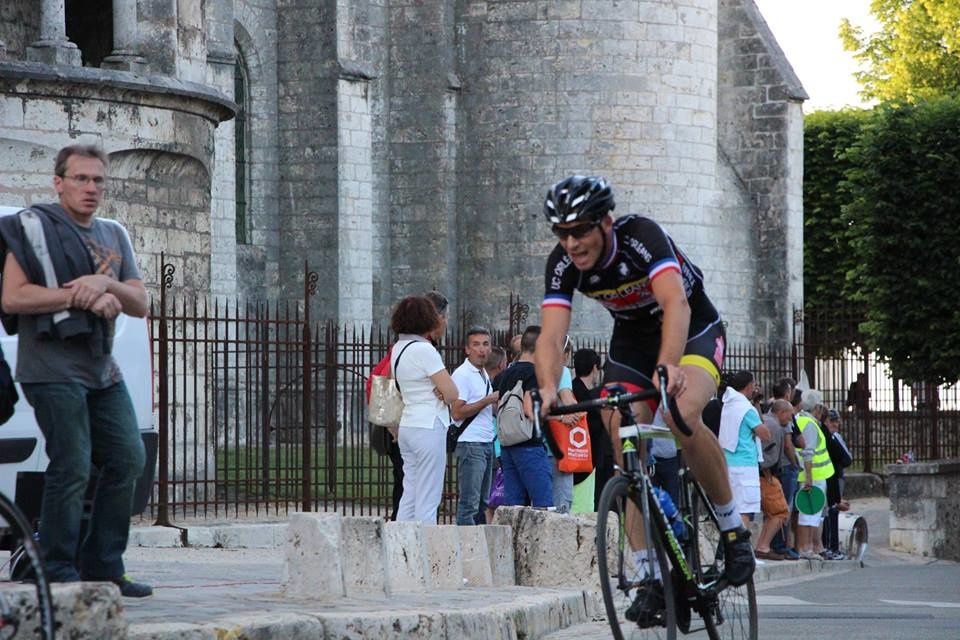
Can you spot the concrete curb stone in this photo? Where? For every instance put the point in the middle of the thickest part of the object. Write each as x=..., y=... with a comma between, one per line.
x=528, y=615
x=443, y=557
x=405, y=563
x=312, y=556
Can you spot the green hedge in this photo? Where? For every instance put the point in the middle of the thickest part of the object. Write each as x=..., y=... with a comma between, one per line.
x=882, y=224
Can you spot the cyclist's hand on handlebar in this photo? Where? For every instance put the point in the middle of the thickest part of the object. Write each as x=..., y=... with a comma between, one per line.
x=548, y=398
x=676, y=380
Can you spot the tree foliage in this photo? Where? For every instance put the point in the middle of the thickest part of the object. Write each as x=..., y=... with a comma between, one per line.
x=902, y=214
x=826, y=232
x=914, y=55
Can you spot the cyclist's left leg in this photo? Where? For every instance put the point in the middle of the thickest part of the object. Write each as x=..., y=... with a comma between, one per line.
x=709, y=466
x=701, y=450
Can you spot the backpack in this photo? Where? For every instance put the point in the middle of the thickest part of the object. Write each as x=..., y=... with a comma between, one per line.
x=8, y=391
x=513, y=426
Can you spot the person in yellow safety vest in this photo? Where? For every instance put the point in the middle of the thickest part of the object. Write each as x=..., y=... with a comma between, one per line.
x=816, y=469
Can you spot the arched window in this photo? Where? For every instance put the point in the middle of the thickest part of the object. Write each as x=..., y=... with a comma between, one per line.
x=241, y=95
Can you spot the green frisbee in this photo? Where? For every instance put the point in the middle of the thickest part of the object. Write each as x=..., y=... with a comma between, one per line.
x=810, y=501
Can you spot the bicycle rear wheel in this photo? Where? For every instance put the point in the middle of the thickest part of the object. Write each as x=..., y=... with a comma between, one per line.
x=620, y=579
x=23, y=607
x=733, y=616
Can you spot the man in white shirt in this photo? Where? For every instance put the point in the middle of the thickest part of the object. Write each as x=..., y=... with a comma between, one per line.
x=476, y=401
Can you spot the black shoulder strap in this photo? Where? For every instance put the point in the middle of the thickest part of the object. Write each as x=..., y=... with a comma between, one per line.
x=393, y=369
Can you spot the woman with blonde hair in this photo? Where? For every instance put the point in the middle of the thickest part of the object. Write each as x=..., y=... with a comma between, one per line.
x=427, y=391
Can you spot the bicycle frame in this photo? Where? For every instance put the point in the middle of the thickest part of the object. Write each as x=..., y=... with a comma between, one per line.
x=632, y=434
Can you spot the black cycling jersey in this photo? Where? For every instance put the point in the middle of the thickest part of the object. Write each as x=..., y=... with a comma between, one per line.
x=641, y=250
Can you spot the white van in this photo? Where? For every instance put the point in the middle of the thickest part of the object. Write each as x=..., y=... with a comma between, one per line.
x=22, y=448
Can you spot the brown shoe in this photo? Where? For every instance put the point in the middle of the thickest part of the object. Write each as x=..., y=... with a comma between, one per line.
x=769, y=555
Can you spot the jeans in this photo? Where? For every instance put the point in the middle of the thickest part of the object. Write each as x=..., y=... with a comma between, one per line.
x=527, y=476
x=788, y=481
x=85, y=427
x=474, y=473
x=562, y=486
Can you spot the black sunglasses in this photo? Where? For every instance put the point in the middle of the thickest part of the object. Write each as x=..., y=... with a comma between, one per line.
x=578, y=232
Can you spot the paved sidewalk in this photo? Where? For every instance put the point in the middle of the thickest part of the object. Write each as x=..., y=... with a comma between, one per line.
x=235, y=593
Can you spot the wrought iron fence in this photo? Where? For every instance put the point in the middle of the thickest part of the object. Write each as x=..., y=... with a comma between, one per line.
x=262, y=409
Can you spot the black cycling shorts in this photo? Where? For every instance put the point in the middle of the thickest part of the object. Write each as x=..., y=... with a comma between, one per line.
x=633, y=357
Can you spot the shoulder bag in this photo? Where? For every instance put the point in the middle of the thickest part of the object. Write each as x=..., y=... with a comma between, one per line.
x=386, y=404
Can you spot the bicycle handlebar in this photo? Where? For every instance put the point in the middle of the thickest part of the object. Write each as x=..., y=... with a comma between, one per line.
x=619, y=400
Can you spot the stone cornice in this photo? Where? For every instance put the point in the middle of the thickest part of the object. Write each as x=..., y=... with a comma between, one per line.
x=85, y=83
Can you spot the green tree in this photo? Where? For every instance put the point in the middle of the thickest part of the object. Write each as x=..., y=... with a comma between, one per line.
x=914, y=55
x=906, y=239
x=827, y=259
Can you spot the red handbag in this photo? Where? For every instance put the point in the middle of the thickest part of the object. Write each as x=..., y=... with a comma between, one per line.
x=574, y=444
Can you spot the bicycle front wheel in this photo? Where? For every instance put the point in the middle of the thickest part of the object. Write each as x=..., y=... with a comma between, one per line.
x=28, y=609
x=733, y=615
x=638, y=606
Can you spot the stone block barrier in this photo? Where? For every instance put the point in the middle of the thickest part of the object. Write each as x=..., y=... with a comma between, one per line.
x=328, y=556
x=925, y=508
x=82, y=610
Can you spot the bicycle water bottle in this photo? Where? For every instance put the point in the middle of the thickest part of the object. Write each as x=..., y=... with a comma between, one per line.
x=673, y=514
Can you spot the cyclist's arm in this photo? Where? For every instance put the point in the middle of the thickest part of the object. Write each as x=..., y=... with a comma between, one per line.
x=668, y=290
x=548, y=355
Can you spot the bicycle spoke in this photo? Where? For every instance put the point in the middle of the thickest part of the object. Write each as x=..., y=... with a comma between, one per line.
x=25, y=601
x=733, y=615
x=624, y=584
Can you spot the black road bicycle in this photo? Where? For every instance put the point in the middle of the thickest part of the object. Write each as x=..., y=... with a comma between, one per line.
x=685, y=590
x=25, y=606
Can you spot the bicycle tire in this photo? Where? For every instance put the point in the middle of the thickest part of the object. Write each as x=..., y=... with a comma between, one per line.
x=618, y=577
x=733, y=616
x=23, y=549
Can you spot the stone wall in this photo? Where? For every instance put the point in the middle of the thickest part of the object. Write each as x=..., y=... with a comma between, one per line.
x=761, y=140
x=925, y=508
x=307, y=147
x=403, y=146
x=421, y=139
x=163, y=199
x=19, y=26
x=161, y=191
x=254, y=31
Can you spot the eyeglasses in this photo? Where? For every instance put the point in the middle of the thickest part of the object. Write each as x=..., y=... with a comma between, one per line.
x=81, y=181
x=578, y=232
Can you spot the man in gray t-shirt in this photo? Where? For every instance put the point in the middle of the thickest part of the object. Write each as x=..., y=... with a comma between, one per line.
x=69, y=376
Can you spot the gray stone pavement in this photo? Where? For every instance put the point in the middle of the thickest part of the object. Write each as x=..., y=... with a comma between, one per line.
x=208, y=592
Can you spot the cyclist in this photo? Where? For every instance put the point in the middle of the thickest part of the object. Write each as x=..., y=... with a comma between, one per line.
x=661, y=316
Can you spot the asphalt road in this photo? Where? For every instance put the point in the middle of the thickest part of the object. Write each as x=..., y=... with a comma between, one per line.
x=894, y=596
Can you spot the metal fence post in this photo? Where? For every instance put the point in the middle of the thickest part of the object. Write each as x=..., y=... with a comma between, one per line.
x=163, y=397
x=310, y=279
x=330, y=402
x=864, y=403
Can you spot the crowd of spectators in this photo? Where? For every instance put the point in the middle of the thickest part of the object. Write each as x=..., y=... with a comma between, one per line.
x=773, y=447
x=488, y=474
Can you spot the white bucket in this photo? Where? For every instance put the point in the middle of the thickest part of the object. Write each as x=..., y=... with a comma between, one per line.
x=852, y=532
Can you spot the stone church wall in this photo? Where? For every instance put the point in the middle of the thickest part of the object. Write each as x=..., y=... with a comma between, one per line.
x=406, y=145
x=160, y=190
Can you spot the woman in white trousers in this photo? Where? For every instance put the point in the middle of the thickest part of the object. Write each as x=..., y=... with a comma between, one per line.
x=427, y=391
